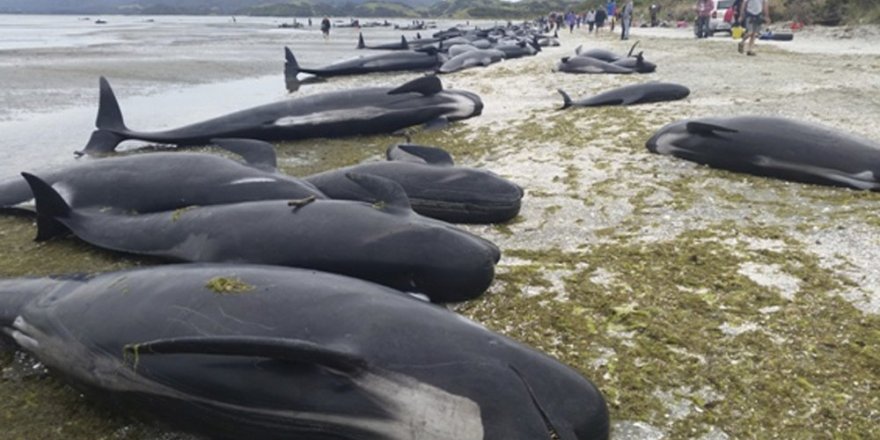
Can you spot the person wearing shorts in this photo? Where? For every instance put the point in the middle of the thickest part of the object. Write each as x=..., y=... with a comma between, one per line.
x=755, y=13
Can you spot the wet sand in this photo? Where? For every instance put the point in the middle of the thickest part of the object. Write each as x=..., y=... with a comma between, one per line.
x=704, y=304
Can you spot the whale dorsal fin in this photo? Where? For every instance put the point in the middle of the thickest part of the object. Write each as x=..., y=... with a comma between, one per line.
x=387, y=194
x=706, y=128
x=50, y=206
x=258, y=154
x=403, y=42
x=422, y=153
x=426, y=85
x=631, y=49
x=361, y=44
x=282, y=349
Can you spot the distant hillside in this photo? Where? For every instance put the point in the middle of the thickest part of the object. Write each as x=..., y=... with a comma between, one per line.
x=309, y=8
x=830, y=12
x=337, y=7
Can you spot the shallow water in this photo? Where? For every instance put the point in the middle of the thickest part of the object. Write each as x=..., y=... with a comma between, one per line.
x=166, y=73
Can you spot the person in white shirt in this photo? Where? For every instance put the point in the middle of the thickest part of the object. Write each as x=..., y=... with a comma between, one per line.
x=754, y=14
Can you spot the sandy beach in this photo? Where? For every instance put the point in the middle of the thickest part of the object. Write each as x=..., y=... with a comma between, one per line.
x=704, y=304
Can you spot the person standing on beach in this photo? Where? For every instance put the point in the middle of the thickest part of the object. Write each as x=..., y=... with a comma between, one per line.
x=704, y=10
x=591, y=20
x=611, y=10
x=755, y=13
x=600, y=18
x=626, y=17
x=325, y=27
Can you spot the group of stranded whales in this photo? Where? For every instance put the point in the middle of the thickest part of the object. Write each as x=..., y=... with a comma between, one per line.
x=448, y=51
x=604, y=61
x=291, y=317
x=435, y=187
x=385, y=242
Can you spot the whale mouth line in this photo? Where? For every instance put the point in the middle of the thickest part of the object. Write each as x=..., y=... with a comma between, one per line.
x=19, y=332
x=553, y=433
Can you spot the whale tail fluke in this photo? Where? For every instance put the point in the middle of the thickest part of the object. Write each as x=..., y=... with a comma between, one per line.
x=50, y=207
x=566, y=100
x=361, y=44
x=111, y=127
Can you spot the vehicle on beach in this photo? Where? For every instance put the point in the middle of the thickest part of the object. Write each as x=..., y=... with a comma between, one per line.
x=716, y=20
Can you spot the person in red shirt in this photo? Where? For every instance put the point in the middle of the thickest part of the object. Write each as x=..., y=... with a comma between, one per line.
x=704, y=11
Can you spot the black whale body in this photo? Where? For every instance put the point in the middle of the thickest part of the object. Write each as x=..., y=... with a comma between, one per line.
x=421, y=60
x=385, y=242
x=293, y=354
x=333, y=114
x=155, y=182
x=435, y=188
x=774, y=147
x=631, y=94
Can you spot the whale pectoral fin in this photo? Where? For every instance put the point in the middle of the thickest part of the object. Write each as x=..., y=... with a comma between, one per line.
x=387, y=193
x=282, y=349
x=430, y=155
x=258, y=154
x=426, y=85
x=436, y=124
x=705, y=128
x=50, y=205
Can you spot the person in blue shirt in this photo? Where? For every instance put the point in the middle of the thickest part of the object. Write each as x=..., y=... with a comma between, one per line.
x=611, y=9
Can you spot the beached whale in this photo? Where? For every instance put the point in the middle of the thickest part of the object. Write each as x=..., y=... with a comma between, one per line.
x=385, y=241
x=579, y=64
x=471, y=58
x=435, y=187
x=631, y=94
x=155, y=182
x=603, y=54
x=636, y=63
x=270, y=353
x=343, y=113
x=402, y=45
x=420, y=60
x=518, y=48
x=774, y=147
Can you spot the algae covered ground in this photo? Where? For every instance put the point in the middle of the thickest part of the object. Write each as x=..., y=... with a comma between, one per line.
x=704, y=304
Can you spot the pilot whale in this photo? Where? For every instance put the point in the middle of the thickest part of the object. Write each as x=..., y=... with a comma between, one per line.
x=154, y=182
x=343, y=113
x=422, y=59
x=435, y=187
x=385, y=241
x=774, y=147
x=271, y=353
x=631, y=94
